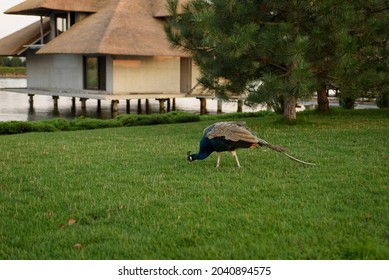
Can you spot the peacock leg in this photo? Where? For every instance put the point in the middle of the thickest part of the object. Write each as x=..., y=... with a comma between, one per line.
x=218, y=159
x=233, y=153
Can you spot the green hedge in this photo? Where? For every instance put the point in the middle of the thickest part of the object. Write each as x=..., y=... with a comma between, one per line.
x=59, y=124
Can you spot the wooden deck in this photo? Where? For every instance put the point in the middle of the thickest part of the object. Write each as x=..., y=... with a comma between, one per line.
x=91, y=94
x=85, y=95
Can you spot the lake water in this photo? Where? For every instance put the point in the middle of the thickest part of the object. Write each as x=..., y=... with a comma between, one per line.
x=16, y=107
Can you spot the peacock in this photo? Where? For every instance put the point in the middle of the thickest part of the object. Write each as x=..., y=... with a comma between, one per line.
x=230, y=136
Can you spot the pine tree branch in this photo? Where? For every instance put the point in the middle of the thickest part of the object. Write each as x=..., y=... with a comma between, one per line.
x=379, y=9
x=278, y=66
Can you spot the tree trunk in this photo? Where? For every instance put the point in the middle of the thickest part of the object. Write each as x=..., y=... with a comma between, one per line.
x=290, y=108
x=322, y=99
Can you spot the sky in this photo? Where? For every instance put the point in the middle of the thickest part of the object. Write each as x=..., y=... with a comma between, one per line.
x=12, y=23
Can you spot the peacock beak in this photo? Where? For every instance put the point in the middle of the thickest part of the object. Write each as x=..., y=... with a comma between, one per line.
x=189, y=157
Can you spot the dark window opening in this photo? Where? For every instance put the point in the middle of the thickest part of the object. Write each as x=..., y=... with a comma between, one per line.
x=95, y=72
x=185, y=74
x=63, y=22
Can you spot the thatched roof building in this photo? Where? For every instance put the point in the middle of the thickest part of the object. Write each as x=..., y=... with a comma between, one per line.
x=100, y=49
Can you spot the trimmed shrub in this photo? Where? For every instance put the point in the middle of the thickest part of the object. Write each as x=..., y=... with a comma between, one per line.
x=42, y=127
x=60, y=124
x=17, y=127
x=182, y=117
x=14, y=127
x=382, y=100
x=153, y=119
x=86, y=123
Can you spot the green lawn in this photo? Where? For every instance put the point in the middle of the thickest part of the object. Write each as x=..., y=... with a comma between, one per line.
x=128, y=193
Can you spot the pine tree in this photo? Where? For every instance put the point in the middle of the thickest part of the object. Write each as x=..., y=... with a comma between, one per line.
x=363, y=49
x=281, y=51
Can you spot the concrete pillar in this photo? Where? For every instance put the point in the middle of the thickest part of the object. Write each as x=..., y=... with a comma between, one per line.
x=31, y=102
x=139, y=106
x=203, y=105
x=83, y=103
x=174, y=104
x=115, y=106
x=240, y=105
x=31, y=99
x=219, y=106
x=55, y=99
x=73, y=107
x=168, y=104
x=161, y=105
x=128, y=105
x=147, y=106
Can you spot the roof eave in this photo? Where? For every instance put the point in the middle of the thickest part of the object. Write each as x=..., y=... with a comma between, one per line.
x=18, y=42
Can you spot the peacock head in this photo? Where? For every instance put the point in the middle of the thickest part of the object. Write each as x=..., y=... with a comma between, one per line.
x=190, y=157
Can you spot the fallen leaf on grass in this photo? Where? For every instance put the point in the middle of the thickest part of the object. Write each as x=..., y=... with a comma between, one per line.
x=77, y=246
x=71, y=222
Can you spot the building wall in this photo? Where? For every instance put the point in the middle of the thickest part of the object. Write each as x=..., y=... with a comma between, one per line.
x=54, y=71
x=158, y=74
x=195, y=74
x=124, y=75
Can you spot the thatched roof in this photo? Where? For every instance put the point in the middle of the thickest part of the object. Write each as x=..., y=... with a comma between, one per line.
x=44, y=7
x=116, y=27
x=160, y=7
x=15, y=43
x=122, y=27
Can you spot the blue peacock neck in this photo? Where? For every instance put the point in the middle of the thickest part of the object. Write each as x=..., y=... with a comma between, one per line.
x=202, y=154
x=206, y=148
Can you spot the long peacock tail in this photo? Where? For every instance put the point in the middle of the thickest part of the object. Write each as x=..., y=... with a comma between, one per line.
x=282, y=150
x=277, y=148
x=296, y=159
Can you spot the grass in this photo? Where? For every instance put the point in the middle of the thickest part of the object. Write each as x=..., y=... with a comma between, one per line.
x=12, y=71
x=128, y=193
